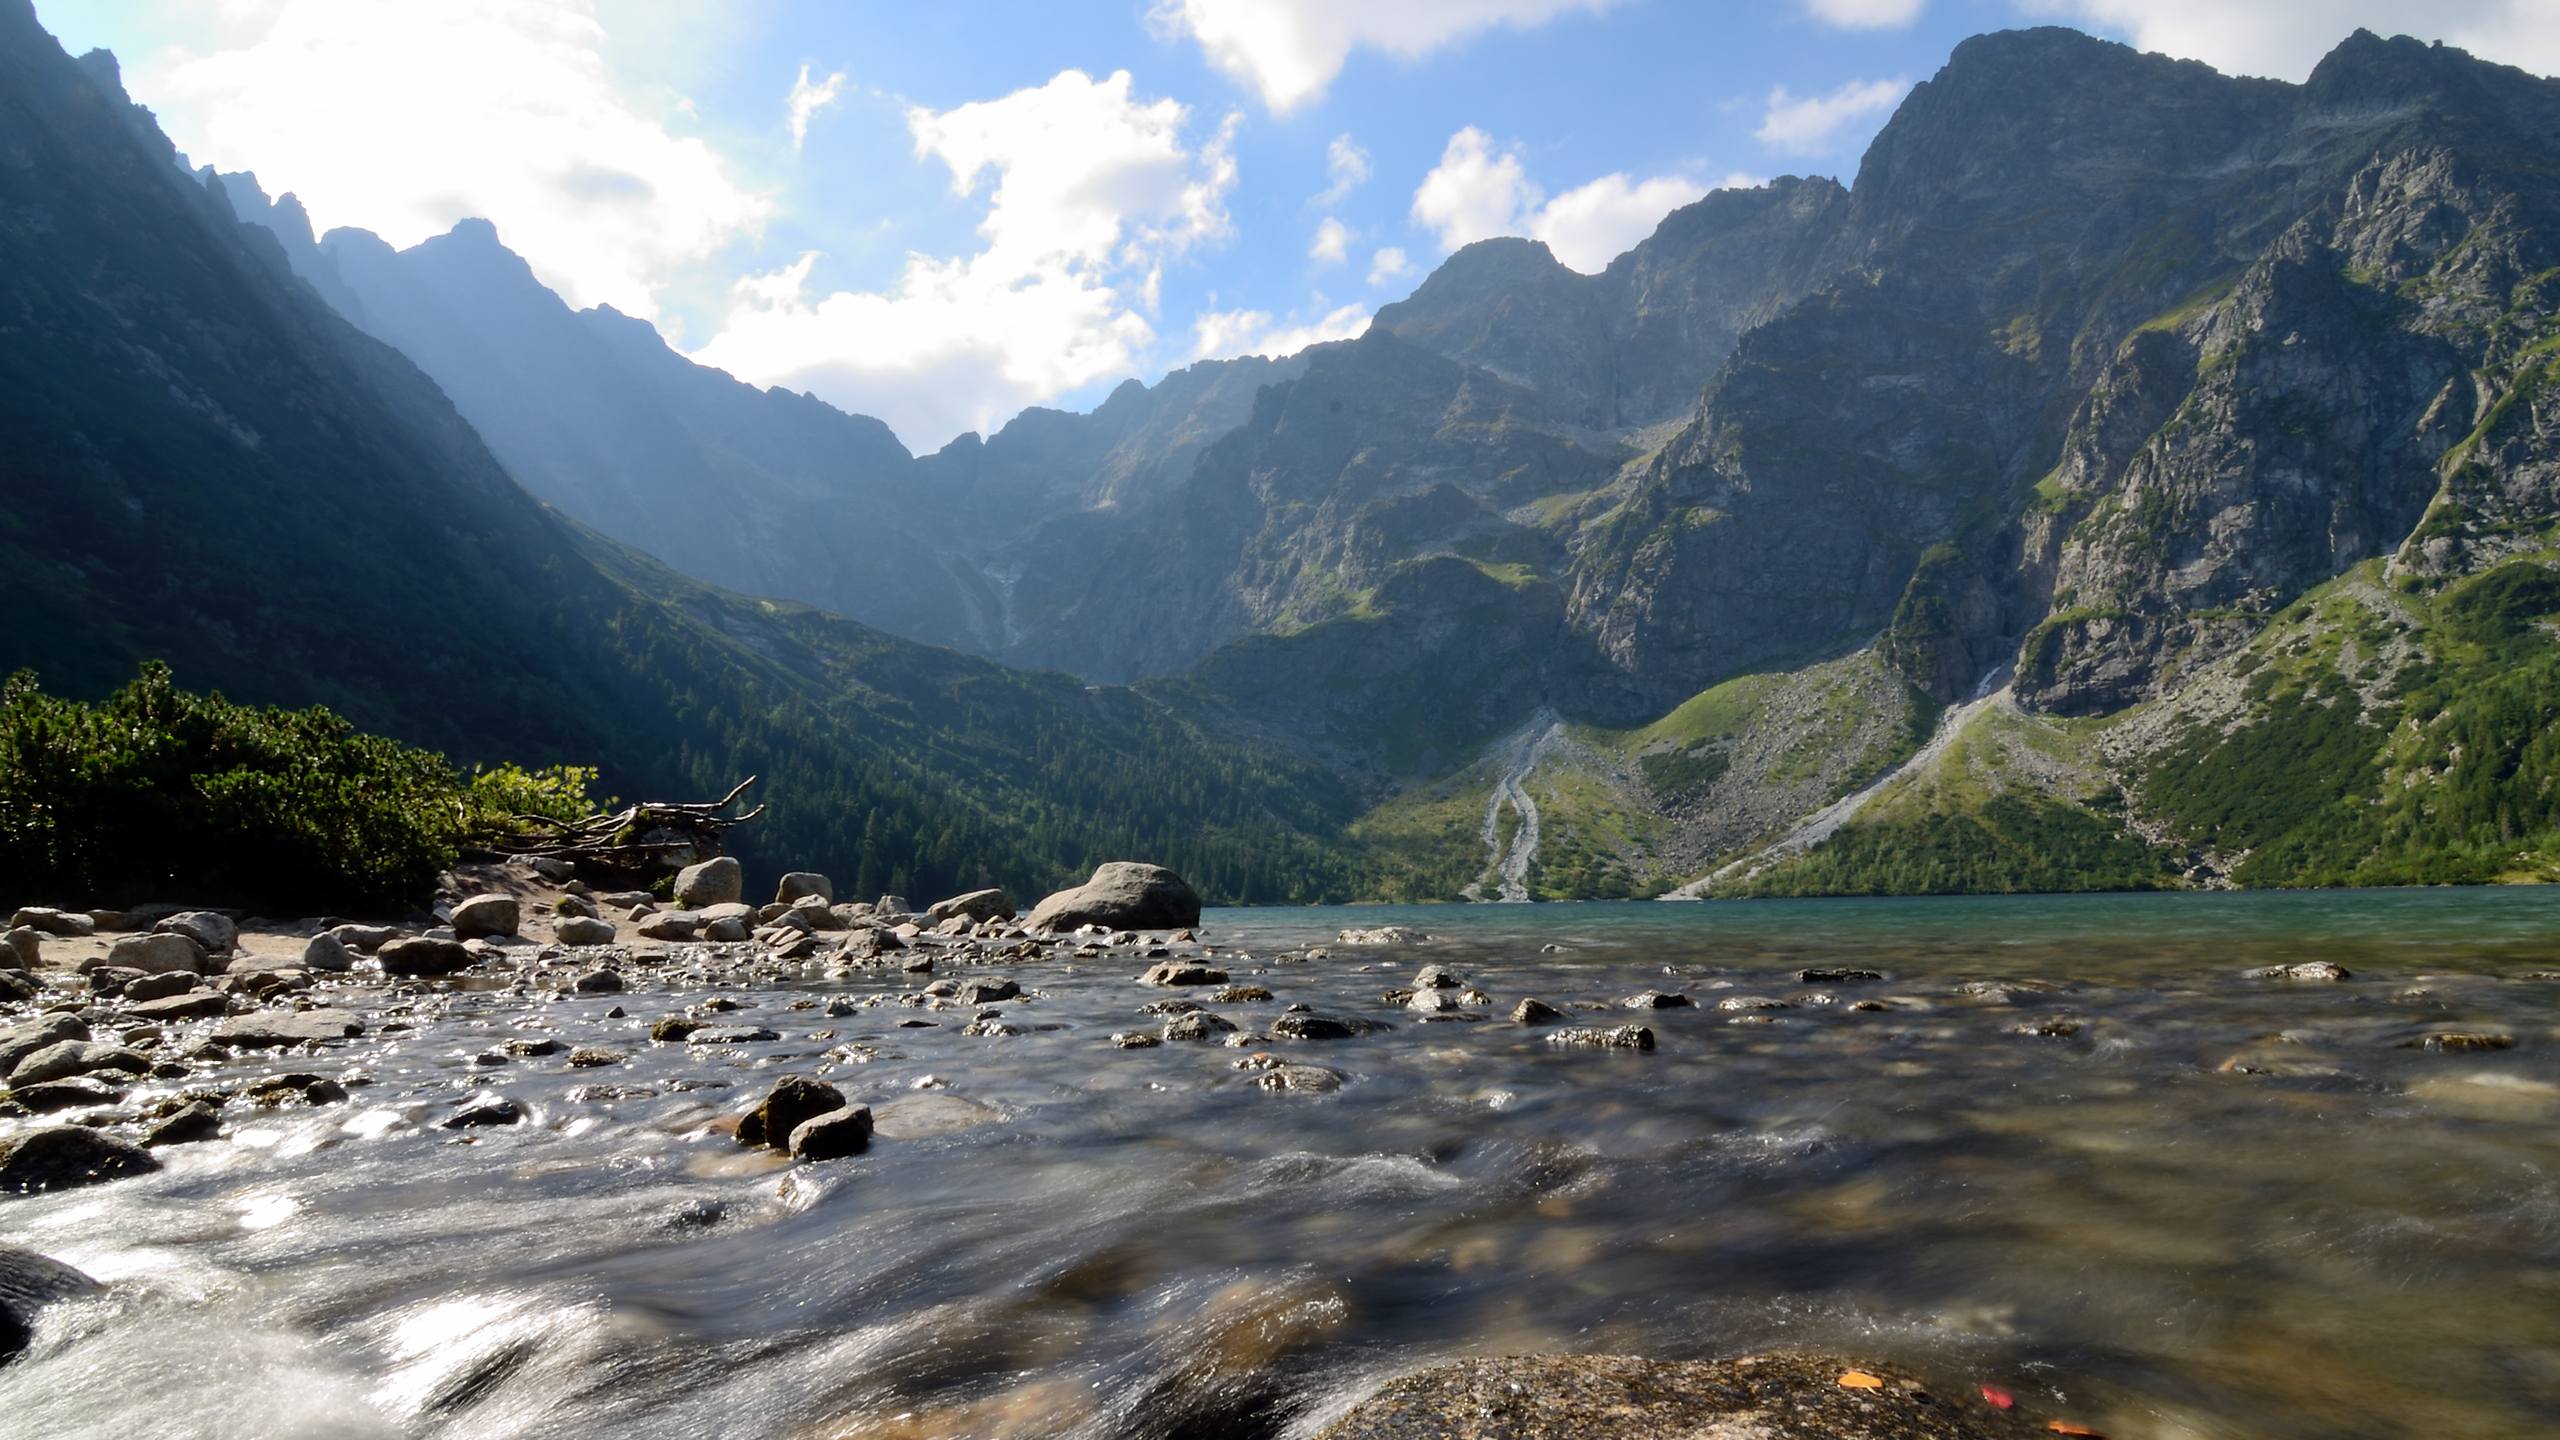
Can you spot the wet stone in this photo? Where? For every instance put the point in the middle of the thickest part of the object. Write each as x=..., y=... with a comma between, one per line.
x=793, y=1100
x=1302, y=1025
x=197, y=1122
x=834, y=1135
x=1835, y=975
x=65, y=1158
x=1137, y=1039
x=2461, y=1041
x=587, y=1057
x=484, y=1111
x=1535, y=1012
x=731, y=1035
x=1198, y=1025
x=1622, y=1037
x=1571, y=1397
x=1658, y=1000
x=2309, y=970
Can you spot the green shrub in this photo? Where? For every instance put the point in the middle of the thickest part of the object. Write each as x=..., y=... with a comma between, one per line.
x=159, y=794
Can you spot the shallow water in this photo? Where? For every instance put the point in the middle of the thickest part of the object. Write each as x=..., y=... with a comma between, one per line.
x=1055, y=1237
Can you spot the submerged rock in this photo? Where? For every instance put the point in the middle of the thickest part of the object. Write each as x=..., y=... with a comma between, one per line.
x=198, y=1121
x=1663, y=1000
x=1535, y=1012
x=1623, y=1037
x=2316, y=970
x=28, y=1282
x=484, y=1111
x=1836, y=975
x=1197, y=1025
x=1183, y=972
x=1574, y=1397
x=1299, y=1025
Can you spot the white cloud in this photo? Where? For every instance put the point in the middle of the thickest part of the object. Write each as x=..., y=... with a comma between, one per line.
x=1865, y=14
x=807, y=100
x=1288, y=51
x=1225, y=334
x=1388, y=264
x=1592, y=225
x=1333, y=243
x=1477, y=192
x=1346, y=167
x=1090, y=192
x=1812, y=124
x=2285, y=38
x=404, y=118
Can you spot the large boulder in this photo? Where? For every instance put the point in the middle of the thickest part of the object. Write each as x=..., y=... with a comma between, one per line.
x=209, y=928
x=832, y=1136
x=801, y=884
x=1567, y=1397
x=67, y=1156
x=26, y=947
x=978, y=905
x=70, y=924
x=1122, y=895
x=65, y=1058
x=716, y=881
x=154, y=954
x=483, y=916
x=422, y=955
x=28, y=1282
x=793, y=1101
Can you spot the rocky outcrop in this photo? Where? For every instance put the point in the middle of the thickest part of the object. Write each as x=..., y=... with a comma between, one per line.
x=1122, y=895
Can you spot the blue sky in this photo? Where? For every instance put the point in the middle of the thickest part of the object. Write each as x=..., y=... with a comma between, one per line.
x=986, y=206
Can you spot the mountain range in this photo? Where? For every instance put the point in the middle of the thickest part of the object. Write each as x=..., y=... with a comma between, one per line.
x=2136, y=476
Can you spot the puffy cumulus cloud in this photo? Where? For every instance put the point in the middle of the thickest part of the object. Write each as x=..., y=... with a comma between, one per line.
x=403, y=118
x=1090, y=192
x=1813, y=124
x=1225, y=334
x=1865, y=14
x=1346, y=168
x=806, y=100
x=1332, y=244
x=1288, y=51
x=2285, y=38
x=1388, y=264
x=1478, y=191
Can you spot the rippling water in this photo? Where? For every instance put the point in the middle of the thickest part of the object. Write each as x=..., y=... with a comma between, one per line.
x=2217, y=1207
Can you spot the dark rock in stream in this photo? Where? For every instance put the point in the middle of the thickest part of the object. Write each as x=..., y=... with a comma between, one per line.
x=275, y=1030
x=1197, y=1025
x=66, y=1157
x=29, y=1282
x=482, y=1111
x=794, y=1100
x=2314, y=970
x=49, y=1096
x=1183, y=972
x=1535, y=1012
x=192, y=1005
x=833, y=1135
x=1574, y=1397
x=1301, y=1025
x=1663, y=1000
x=65, y=1059
x=19, y=1041
x=198, y=1121
x=1831, y=975
x=1623, y=1037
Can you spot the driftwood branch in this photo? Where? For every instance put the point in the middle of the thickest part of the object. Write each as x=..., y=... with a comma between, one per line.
x=633, y=840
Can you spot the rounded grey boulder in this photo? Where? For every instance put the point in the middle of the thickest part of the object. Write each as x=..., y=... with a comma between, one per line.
x=157, y=953
x=486, y=915
x=716, y=881
x=1122, y=895
x=834, y=1135
x=801, y=884
x=582, y=930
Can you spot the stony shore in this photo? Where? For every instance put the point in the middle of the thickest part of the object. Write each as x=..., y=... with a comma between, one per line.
x=125, y=1035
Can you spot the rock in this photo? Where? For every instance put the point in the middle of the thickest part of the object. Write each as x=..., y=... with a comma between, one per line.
x=1437, y=977
x=366, y=938
x=1575, y=1397
x=1198, y=1025
x=162, y=986
x=26, y=946
x=1183, y=972
x=1623, y=1037
x=66, y=1058
x=716, y=881
x=582, y=930
x=21, y=1040
x=2458, y=1041
x=1833, y=975
x=327, y=953
x=16, y=985
x=2315, y=970
x=597, y=982
x=977, y=905
x=984, y=1028
x=1300, y=1025
x=1535, y=1012
x=297, y=1088
x=211, y=929
x=588, y=1057
x=834, y=1135
x=67, y=1156
x=29, y=1282
x=535, y=1048
x=727, y=930
x=79, y=1092
x=482, y=916
x=730, y=1035
x=802, y=884
x=1239, y=995
x=1137, y=1039
x=1382, y=935
x=69, y=924
x=197, y=1121
x=1435, y=1002
x=421, y=956
x=193, y=1005
x=1737, y=1004
x=1658, y=1000
x=674, y=1028
x=1300, y=1079
x=986, y=992
x=270, y=1031
x=572, y=907
x=793, y=1100
x=1123, y=895
x=156, y=954
x=670, y=925
x=483, y=1111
